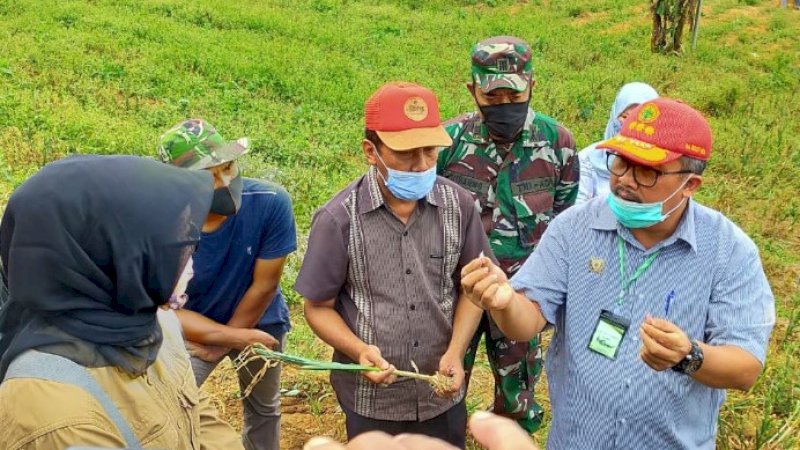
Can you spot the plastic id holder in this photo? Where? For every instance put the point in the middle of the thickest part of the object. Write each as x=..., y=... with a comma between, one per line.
x=608, y=334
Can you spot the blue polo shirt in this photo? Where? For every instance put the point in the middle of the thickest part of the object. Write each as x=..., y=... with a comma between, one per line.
x=721, y=297
x=263, y=228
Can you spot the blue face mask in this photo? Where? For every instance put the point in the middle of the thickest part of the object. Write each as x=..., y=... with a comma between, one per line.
x=641, y=215
x=408, y=186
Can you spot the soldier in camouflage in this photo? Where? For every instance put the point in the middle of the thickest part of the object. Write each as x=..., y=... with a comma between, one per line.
x=522, y=168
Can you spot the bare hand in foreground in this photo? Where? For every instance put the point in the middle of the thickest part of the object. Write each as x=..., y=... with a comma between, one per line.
x=486, y=285
x=491, y=431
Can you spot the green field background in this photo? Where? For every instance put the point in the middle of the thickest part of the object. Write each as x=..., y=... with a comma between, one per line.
x=108, y=76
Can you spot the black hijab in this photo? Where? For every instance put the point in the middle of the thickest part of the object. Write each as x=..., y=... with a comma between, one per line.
x=90, y=247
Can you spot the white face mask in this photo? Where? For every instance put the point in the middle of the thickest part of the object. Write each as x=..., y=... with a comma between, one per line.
x=179, y=297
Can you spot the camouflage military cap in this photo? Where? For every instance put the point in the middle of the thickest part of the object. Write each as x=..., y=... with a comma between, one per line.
x=195, y=144
x=502, y=62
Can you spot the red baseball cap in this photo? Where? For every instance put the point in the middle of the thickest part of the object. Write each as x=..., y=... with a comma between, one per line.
x=405, y=116
x=662, y=130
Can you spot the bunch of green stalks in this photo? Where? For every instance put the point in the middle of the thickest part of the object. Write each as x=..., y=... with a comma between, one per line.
x=438, y=382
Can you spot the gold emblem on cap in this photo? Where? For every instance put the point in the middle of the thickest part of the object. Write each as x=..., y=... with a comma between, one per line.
x=597, y=265
x=416, y=109
x=649, y=113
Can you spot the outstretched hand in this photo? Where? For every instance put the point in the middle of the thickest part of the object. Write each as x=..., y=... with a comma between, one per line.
x=486, y=285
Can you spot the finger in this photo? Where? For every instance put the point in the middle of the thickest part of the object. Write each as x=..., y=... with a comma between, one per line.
x=670, y=340
x=421, y=442
x=498, y=271
x=655, y=351
x=322, y=443
x=648, y=360
x=445, y=367
x=654, y=362
x=663, y=325
x=472, y=266
x=372, y=440
x=650, y=345
x=499, y=433
x=488, y=296
x=458, y=380
x=385, y=377
x=377, y=360
x=481, y=286
x=469, y=281
x=390, y=376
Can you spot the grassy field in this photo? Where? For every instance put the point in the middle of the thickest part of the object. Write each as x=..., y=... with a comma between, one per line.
x=108, y=76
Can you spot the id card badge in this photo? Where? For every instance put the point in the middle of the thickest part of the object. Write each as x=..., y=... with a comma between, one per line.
x=608, y=334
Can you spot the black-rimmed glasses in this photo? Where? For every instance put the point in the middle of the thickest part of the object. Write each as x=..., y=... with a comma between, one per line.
x=643, y=175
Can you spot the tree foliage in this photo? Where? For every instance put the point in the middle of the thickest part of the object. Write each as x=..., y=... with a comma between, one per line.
x=670, y=18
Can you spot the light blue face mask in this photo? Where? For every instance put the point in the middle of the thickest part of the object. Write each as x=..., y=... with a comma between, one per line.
x=642, y=215
x=408, y=186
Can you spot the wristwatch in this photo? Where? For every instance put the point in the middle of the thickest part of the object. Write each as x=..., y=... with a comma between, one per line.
x=692, y=362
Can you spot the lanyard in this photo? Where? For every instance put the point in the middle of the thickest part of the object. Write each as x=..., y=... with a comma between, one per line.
x=626, y=282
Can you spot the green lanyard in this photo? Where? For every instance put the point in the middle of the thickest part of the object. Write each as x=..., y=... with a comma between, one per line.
x=626, y=282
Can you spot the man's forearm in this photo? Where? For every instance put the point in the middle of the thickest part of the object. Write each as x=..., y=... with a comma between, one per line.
x=331, y=328
x=199, y=328
x=727, y=367
x=252, y=307
x=521, y=320
x=465, y=324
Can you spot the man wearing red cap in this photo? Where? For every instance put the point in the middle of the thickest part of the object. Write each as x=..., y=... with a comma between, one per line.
x=381, y=275
x=659, y=303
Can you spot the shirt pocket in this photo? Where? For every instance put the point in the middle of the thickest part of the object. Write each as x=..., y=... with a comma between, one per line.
x=154, y=423
x=533, y=208
x=479, y=182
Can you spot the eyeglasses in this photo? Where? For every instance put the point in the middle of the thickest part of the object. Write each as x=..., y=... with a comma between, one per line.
x=643, y=175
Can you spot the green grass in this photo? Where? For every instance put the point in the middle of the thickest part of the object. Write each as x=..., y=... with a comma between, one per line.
x=108, y=76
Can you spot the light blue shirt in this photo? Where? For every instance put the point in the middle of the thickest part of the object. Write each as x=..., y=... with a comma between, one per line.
x=721, y=297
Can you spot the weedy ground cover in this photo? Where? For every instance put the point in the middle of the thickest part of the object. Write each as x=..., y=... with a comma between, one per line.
x=108, y=76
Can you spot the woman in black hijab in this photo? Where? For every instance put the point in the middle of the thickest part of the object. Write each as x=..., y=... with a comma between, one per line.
x=91, y=246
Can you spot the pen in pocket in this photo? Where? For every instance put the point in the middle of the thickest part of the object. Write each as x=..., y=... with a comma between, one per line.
x=668, y=302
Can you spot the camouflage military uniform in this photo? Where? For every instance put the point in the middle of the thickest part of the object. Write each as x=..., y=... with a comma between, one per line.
x=519, y=188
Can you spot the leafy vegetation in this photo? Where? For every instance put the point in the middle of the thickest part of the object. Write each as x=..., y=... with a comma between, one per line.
x=108, y=76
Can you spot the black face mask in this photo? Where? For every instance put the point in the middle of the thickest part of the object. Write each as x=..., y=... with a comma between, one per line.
x=505, y=121
x=228, y=199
